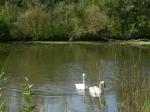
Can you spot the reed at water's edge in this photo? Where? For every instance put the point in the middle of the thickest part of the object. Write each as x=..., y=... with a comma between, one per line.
x=27, y=95
x=133, y=88
x=2, y=100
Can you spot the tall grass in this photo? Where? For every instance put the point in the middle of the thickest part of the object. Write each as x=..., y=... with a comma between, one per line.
x=2, y=100
x=133, y=89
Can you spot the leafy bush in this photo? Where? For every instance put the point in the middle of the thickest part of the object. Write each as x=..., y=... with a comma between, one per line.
x=7, y=16
x=35, y=23
x=8, y=13
x=114, y=27
x=4, y=31
x=95, y=20
x=61, y=17
x=64, y=20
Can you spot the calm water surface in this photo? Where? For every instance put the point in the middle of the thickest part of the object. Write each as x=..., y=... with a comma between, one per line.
x=55, y=68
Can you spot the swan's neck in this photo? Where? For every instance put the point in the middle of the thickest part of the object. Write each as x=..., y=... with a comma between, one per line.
x=100, y=86
x=83, y=81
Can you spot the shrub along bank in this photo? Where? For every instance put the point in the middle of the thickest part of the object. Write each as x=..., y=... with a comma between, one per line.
x=74, y=20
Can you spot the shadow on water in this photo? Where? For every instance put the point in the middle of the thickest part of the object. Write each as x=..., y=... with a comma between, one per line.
x=55, y=68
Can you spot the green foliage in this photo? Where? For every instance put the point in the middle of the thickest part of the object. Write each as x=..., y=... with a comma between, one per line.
x=5, y=21
x=146, y=106
x=95, y=20
x=60, y=17
x=34, y=23
x=113, y=27
x=77, y=21
x=132, y=15
x=88, y=20
x=27, y=93
x=7, y=13
x=28, y=107
x=4, y=31
x=62, y=20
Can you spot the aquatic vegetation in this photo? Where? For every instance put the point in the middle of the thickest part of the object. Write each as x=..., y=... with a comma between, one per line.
x=2, y=101
x=3, y=106
x=27, y=93
x=28, y=107
x=133, y=89
x=146, y=106
x=2, y=76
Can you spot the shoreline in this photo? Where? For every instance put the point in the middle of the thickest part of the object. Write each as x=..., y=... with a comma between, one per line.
x=90, y=37
x=133, y=42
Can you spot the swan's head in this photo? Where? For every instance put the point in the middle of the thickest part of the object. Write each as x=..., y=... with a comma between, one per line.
x=103, y=83
x=83, y=75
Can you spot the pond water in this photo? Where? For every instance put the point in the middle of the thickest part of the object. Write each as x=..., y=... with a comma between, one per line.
x=54, y=68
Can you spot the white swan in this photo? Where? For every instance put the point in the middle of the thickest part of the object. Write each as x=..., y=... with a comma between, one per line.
x=96, y=91
x=82, y=85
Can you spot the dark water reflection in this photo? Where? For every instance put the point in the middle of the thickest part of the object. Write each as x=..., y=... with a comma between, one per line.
x=55, y=68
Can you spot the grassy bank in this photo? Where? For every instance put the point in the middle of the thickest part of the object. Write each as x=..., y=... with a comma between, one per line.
x=74, y=20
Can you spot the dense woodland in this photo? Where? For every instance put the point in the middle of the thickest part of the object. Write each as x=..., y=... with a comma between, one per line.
x=74, y=19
